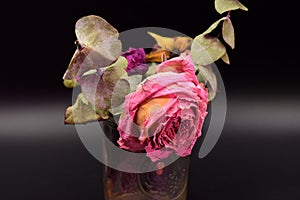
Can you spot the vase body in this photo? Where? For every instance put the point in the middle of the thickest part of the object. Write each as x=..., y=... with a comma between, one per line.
x=166, y=183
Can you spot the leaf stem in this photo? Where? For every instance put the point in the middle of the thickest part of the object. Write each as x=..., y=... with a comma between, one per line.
x=228, y=14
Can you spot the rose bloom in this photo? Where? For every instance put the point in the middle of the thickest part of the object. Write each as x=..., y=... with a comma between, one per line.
x=136, y=61
x=166, y=112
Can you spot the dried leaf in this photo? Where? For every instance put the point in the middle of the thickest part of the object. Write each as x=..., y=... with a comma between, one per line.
x=96, y=33
x=151, y=69
x=117, y=110
x=165, y=43
x=119, y=94
x=228, y=32
x=133, y=81
x=213, y=26
x=227, y=5
x=182, y=43
x=82, y=112
x=225, y=58
x=93, y=30
x=207, y=76
x=98, y=44
x=70, y=83
x=106, y=88
x=121, y=89
x=76, y=63
x=205, y=50
x=174, y=44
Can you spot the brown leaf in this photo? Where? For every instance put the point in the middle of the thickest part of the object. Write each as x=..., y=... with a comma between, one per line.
x=74, y=66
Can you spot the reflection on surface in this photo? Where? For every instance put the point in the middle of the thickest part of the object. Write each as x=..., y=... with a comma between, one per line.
x=242, y=114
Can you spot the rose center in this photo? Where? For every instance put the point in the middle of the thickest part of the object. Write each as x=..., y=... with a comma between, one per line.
x=149, y=107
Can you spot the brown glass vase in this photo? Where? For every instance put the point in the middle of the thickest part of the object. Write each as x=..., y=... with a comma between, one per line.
x=167, y=183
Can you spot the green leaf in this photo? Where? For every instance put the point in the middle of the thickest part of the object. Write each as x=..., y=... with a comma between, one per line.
x=117, y=110
x=121, y=89
x=126, y=85
x=213, y=26
x=133, y=81
x=82, y=112
x=205, y=50
x=227, y=5
x=225, y=58
x=151, y=70
x=228, y=32
x=208, y=77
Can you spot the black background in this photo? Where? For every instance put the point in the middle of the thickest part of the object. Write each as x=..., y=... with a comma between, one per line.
x=257, y=154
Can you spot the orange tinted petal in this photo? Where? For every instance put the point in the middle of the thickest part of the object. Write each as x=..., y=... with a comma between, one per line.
x=147, y=108
x=158, y=56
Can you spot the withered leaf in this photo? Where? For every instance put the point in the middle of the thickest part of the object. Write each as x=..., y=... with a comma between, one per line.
x=81, y=112
x=227, y=5
x=205, y=50
x=228, y=32
x=225, y=58
x=99, y=46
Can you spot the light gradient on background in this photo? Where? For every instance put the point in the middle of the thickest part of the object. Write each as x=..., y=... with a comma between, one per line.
x=276, y=115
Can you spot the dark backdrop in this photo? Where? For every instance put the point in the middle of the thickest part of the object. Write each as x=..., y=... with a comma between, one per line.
x=257, y=154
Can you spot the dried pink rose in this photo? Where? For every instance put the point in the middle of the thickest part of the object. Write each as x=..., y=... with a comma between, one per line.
x=136, y=61
x=166, y=112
